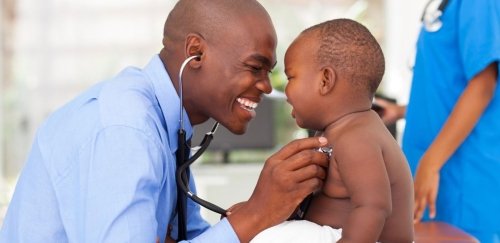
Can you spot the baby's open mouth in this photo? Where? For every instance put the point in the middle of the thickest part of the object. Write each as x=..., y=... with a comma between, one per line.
x=247, y=104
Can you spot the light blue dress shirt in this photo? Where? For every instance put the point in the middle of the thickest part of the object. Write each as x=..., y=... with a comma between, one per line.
x=102, y=168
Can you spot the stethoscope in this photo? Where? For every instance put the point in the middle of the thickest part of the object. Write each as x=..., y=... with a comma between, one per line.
x=183, y=163
x=431, y=17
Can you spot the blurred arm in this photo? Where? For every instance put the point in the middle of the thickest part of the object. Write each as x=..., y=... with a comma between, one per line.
x=466, y=113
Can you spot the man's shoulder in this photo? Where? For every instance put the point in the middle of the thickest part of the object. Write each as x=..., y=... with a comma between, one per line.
x=130, y=88
x=128, y=99
x=125, y=100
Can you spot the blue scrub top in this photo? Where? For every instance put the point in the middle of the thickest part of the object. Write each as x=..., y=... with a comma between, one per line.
x=469, y=40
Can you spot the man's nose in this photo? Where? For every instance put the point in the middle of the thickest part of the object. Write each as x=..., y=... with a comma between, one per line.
x=264, y=85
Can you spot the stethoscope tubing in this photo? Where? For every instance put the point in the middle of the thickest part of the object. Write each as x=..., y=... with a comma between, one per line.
x=182, y=179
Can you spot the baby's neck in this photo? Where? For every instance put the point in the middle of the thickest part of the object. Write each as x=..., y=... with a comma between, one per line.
x=343, y=117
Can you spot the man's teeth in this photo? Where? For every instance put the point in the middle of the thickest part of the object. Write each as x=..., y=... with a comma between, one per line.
x=247, y=104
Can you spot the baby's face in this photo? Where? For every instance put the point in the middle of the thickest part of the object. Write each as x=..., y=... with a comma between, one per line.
x=304, y=77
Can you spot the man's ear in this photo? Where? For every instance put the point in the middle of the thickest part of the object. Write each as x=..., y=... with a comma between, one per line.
x=328, y=80
x=195, y=46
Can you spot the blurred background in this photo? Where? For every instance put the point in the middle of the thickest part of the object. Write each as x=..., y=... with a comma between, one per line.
x=54, y=49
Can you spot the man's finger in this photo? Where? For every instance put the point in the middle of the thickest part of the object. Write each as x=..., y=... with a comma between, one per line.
x=309, y=172
x=306, y=158
x=308, y=186
x=298, y=145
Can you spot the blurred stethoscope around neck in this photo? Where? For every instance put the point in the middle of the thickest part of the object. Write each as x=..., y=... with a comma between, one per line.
x=431, y=21
x=184, y=161
x=431, y=17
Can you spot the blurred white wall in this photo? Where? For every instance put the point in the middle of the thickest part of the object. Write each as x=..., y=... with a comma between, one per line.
x=402, y=24
x=59, y=48
x=1, y=103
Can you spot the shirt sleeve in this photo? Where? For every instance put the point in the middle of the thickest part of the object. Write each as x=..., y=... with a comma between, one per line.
x=479, y=34
x=220, y=232
x=121, y=187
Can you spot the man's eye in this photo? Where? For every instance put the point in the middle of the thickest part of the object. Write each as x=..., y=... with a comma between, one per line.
x=255, y=69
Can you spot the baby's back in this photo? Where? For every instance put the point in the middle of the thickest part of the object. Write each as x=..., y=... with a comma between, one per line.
x=367, y=169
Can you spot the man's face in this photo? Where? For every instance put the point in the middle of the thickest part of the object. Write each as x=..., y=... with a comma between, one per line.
x=304, y=76
x=236, y=73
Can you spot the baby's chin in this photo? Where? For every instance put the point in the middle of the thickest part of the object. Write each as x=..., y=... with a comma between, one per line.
x=300, y=124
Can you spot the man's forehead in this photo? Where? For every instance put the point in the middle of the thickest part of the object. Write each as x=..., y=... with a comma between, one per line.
x=267, y=61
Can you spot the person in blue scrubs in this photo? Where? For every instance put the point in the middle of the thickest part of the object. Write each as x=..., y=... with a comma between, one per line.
x=452, y=133
x=102, y=167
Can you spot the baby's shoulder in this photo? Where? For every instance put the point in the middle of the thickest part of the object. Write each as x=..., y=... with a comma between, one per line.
x=355, y=142
x=351, y=133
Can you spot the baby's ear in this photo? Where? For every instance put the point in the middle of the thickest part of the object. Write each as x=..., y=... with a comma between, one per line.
x=328, y=80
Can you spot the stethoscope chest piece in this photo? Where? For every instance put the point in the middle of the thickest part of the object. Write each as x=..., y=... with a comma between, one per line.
x=326, y=150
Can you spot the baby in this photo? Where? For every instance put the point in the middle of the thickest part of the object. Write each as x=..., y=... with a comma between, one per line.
x=333, y=70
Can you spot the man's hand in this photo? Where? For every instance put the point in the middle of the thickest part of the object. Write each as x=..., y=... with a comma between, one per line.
x=287, y=178
x=168, y=238
x=235, y=207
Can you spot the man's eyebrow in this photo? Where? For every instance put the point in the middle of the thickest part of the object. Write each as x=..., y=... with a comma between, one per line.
x=264, y=60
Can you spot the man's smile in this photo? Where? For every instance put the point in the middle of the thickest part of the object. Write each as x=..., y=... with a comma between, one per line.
x=247, y=104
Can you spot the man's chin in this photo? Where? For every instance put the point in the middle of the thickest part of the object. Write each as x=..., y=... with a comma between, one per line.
x=237, y=129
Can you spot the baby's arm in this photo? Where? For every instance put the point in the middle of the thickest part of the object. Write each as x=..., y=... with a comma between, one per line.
x=363, y=171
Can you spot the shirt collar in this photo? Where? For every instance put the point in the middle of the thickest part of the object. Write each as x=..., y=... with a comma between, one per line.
x=168, y=99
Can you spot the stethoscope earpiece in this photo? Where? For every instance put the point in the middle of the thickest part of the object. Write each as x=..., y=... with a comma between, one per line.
x=181, y=70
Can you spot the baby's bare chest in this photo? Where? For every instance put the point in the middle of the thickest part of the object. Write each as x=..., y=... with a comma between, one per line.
x=334, y=186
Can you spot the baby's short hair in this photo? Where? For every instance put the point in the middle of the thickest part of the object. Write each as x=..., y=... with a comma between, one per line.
x=352, y=50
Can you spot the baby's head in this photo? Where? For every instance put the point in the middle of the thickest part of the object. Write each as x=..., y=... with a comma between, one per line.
x=332, y=68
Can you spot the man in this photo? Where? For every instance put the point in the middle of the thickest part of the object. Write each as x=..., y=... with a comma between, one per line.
x=102, y=168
